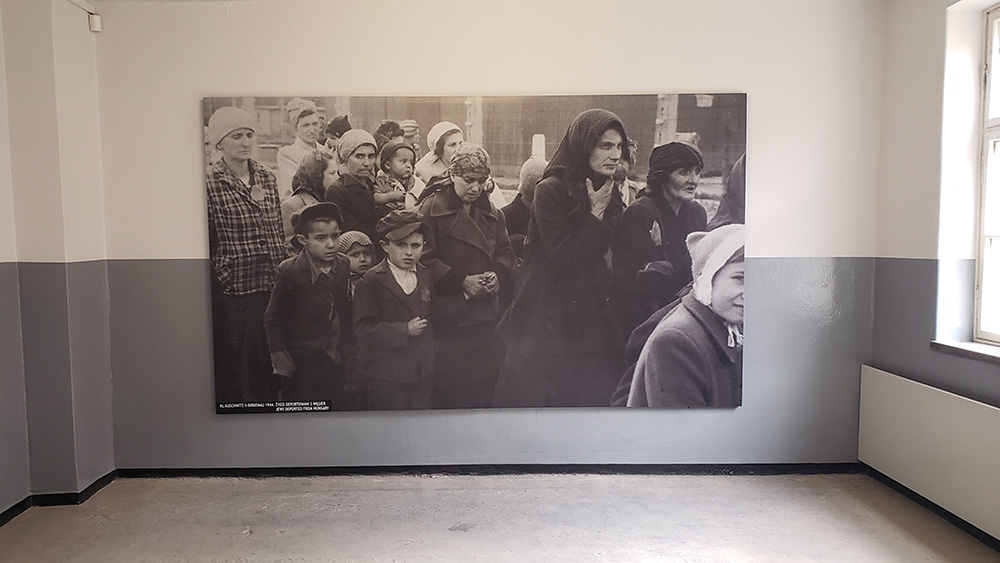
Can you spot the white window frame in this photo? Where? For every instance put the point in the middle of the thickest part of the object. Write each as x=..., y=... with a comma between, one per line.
x=990, y=137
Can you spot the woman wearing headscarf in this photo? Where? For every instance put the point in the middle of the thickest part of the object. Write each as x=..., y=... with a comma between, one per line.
x=564, y=339
x=315, y=174
x=470, y=259
x=245, y=247
x=651, y=261
x=307, y=125
x=442, y=141
x=694, y=357
x=352, y=191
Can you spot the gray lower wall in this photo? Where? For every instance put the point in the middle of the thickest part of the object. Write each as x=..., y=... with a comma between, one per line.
x=808, y=325
x=45, y=330
x=15, y=479
x=906, y=314
x=89, y=309
x=65, y=325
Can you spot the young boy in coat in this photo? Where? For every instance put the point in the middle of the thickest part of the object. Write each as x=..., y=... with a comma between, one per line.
x=391, y=307
x=308, y=308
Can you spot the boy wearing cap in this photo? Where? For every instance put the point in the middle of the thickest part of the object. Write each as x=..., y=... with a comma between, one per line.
x=391, y=306
x=308, y=310
x=395, y=185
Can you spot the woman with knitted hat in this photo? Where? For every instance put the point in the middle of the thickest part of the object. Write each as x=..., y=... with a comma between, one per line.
x=469, y=257
x=564, y=339
x=442, y=141
x=245, y=246
x=651, y=261
x=307, y=124
x=694, y=357
x=352, y=191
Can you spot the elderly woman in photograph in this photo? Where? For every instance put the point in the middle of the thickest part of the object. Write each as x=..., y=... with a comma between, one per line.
x=469, y=257
x=245, y=247
x=694, y=356
x=564, y=340
x=316, y=173
x=442, y=141
x=651, y=261
x=307, y=124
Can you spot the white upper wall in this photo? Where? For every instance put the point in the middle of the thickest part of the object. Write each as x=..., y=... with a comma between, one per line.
x=8, y=240
x=930, y=128
x=813, y=98
x=80, y=158
x=33, y=130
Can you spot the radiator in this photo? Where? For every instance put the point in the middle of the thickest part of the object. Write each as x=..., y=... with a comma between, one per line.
x=938, y=444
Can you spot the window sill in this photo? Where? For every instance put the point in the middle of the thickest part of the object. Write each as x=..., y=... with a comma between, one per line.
x=971, y=350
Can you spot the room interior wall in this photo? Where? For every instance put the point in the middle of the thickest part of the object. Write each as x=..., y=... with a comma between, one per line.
x=925, y=270
x=809, y=286
x=15, y=479
x=61, y=280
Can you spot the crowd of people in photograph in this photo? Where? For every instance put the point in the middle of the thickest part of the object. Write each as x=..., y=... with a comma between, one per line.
x=371, y=274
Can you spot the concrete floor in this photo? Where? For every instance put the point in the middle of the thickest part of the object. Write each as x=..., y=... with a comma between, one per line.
x=523, y=518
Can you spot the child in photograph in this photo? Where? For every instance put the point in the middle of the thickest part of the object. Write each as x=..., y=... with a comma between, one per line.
x=358, y=249
x=309, y=306
x=694, y=356
x=391, y=307
x=395, y=185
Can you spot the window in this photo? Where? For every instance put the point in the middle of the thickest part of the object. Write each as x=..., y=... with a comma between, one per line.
x=987, y=322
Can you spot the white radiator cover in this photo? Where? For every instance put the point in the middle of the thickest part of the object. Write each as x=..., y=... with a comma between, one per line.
x=943, y=446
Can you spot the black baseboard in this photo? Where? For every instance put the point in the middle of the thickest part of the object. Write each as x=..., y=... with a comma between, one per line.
x=513, y=469
x=59, y=499
x=56, y=499
x=12, y=512
x=916, y=497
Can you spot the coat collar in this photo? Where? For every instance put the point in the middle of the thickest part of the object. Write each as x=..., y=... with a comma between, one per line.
x=713, y=325
x=306, y=268
x=385, y=277
x=446, y=207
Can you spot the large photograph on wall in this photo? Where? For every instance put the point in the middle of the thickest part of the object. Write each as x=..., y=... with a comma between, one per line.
x=387, y=253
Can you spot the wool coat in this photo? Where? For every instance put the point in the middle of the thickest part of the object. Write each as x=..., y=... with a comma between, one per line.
x=458, y=244
x=304, y=317
x=651, y=231
x=687, y=362
x=355, y=198
x=381, y=312
x=564, y=339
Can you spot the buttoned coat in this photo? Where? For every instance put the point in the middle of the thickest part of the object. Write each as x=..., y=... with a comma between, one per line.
x=381, y=314
x=459, y=244
x=300, y=315
x=356, y=201
x=687, y=362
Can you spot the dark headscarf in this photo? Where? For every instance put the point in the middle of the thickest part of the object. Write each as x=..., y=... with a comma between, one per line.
x=664, y=159
x=572, y=158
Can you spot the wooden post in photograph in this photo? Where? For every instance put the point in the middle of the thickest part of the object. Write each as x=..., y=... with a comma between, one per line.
x=474, y=119
x=666, y=119
x=538, y=146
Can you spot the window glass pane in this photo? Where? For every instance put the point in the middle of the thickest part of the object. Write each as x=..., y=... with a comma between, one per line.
x=991, y=192
x=994, y=69
x=989, y=315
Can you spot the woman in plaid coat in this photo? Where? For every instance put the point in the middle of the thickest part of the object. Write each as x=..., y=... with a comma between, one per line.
x=245, y=246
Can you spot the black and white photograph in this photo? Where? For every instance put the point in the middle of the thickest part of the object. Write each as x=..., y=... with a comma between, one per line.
x=399, y=253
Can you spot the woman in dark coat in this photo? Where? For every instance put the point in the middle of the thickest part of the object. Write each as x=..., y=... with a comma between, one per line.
x=470, y=259
x=694, y=356
x=651, y=261
x=564, y=339
x=353, y=191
